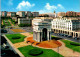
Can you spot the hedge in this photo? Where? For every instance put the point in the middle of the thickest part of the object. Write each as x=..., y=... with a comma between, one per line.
x=24, y=25
x=75, y=44
x=16, y=37
x=35, y=52
x=2, y=26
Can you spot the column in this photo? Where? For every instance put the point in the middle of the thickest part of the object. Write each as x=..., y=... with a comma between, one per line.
x=47, y=35
x=78, y=35
x=41, y=35
x=73, y=34
x=50, y=35
x=38, y=36
x=69, y=33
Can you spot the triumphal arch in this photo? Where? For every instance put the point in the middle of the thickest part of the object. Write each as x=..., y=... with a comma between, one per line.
x=41, y=30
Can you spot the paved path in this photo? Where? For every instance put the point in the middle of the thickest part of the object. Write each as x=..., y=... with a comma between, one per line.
x=63, y=50
x=2, y=22
x=10, y=22
x=21, y=44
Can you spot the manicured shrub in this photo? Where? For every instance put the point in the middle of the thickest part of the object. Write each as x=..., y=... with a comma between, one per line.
x=16, y=37
x=35, y=52
x=24, y=25
x=75, y=44
x=2, y=26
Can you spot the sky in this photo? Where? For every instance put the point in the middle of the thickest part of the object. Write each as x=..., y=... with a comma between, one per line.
x=42, y=6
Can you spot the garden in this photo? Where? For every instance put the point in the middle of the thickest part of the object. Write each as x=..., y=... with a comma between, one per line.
x=31, y=32
x=18, y=30
x=30, y=51
x=6, y=22
x=15, y=38
x=24, y=25
x=13, y=21
x=72, y=45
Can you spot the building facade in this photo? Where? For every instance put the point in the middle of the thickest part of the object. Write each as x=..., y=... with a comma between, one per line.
x=37, y=19
x=41, y=30
x=21, y=13
x=28, y=13
x=61, y=14
x=71, y=13
x=68, y=26
x=11, y=14
x=78, y=13
x=35, y=14
x=24, y=21
x=4, y=13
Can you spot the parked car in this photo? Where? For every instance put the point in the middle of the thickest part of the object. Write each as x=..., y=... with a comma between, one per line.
x=69, y=36
x=3, y=31
x=65, y=35
x=58, y=34
x=61, y=34
x=76, y=38
x=3, y=40
x=11, y=27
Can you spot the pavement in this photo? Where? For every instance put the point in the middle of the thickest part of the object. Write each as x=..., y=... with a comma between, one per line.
x=66, y=52
x=27, y=29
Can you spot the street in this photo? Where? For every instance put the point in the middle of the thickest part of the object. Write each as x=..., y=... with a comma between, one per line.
x=54, y=34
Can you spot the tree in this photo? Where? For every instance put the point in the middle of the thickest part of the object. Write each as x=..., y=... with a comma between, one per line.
x=46, y=15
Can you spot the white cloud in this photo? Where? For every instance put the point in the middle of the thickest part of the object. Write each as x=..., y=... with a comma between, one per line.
x=24, y=4
x=50, y=8
x=59, y=5
x=10, y=2
x=42, y=11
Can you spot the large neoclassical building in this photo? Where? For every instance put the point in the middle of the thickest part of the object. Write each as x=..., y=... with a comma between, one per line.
x=67, y=26
x=41, y=30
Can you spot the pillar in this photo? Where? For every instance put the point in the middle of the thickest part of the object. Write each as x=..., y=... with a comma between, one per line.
x=47, y=34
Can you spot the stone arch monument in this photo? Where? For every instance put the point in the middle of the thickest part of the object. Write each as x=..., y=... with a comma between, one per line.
x=41, y=31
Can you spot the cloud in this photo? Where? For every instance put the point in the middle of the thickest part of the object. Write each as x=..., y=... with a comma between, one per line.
x=24, y=4
x=10, y=2
x=50, y=8
x=59, y=5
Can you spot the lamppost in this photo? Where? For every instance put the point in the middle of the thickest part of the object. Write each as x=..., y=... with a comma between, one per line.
x=58, y=51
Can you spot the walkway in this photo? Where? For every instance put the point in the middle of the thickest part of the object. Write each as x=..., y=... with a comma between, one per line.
x=63, y=50
x=2, y=22
x=10, y=22
x=21, y=44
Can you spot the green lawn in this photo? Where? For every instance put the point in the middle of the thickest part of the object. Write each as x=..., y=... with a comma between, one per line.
x=73, y=47
x=13, y=21
x=46, y=52
x=3, y=22
x=6, y=24
x=53, y=36
x=10, y=36
x=31, y=32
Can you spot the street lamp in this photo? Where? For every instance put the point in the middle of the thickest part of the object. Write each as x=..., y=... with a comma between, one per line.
x=58, y=51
